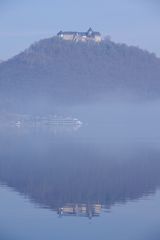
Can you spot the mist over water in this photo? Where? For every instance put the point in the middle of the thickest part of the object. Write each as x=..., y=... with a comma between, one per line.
x=105, y=168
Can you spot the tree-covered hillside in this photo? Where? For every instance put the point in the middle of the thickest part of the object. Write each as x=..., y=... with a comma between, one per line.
x=53, y=71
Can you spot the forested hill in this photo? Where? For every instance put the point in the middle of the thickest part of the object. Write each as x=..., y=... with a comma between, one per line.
x=53, y=71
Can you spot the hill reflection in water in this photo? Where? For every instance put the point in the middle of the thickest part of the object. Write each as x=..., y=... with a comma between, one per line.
x=78, y=173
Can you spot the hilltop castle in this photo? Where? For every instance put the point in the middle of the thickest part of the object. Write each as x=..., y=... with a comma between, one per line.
x=90, y=35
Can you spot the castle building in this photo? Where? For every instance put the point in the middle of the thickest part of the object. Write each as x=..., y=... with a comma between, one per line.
x=90, y=35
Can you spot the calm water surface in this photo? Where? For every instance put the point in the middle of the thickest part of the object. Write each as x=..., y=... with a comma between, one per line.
x=95, y=182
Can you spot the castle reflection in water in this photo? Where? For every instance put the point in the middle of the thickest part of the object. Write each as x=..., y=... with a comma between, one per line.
x=80, y=210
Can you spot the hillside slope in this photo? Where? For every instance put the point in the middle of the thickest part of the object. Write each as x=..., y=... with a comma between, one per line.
x=54, y=71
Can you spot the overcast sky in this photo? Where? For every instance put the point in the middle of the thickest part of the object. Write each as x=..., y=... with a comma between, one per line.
x=22, y=22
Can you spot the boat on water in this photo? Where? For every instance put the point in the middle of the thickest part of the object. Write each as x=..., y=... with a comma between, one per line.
x=62, y=121
x=50, y=120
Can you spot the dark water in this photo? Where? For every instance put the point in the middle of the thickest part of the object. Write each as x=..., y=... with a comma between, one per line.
x=100, y=181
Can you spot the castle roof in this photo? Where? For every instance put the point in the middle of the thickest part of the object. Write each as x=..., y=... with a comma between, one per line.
x=90, y=32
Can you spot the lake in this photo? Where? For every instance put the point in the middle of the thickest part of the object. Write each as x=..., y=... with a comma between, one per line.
x=98, y=181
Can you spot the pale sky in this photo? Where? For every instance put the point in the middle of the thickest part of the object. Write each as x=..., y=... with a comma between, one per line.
x=134, y=22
